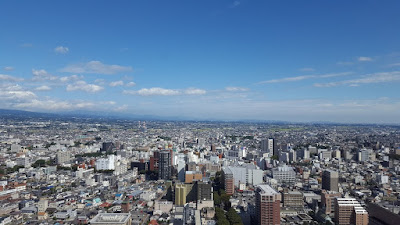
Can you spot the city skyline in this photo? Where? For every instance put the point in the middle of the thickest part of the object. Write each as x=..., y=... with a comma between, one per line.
x=227, y=60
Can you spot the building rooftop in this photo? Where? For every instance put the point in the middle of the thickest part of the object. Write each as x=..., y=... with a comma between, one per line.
x=107, y=218
x=266, y=189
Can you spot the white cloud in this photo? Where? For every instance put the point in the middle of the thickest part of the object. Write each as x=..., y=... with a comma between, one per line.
x=236, y=89
x=116, y=83
x=130, y=84
x=70, y=78
x=14, y=93
x=8, y=68
x=307, y=69
x=195, y=91
x=83, y=86
x=364, y=59
x=40, y=75
x=43, y=88
x=5, y=77
x=383, y=77
x=54, y=105
x=61, y=50
x=96, y=67
x=394, y=64
x=305, y=77
x=156, y=91
x=153, y=92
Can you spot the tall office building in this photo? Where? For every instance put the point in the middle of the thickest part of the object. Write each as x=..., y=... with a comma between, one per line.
x=328, y=201
x=349, y=211
x=264, y=145
x=330, y=180
x=229, y=182
x=267, y=205
x=107, y=147
x=164, y=165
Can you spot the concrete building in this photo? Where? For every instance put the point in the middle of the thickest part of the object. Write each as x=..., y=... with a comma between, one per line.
x=63, y=157
x=106, y=163
x=267, y=205
x=293, y=199
x=183, y=194
x=349, y=211
x=284, y=174
x=328, y=201
x=330, y=180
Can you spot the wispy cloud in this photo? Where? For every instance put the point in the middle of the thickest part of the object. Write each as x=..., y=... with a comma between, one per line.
x=364, y=59
x=194, y=91
x=236, y=89
x=394, y=64
x=152, y=92
x=307, y=69
x=96, y=67
x=40, y=75
x=157, y=91
x=83, y=86
x=8, y=68
x=130, y=84
x=5, y=77
x=305, y=77
x=61, y=49
x=43, y=88
x=383, y=77
x=116, y=83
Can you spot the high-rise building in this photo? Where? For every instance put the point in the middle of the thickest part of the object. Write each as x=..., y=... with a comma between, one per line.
x=204, y=190
x=267, y=205
x=328, y=201
x=183, y=193
x=164, y=165
x=330, y=180
x=264, y=146
x=349, y=211
x=271, y=146
x=63, y=157
x=229, y=183
x=153, y=166
x=107, y=147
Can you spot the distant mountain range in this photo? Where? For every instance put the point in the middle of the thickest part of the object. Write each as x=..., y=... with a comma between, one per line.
x=21, y=114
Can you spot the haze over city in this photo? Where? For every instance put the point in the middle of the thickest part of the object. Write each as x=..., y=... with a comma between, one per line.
x=298, y=61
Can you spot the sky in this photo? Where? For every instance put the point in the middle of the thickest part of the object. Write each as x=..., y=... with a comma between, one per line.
x=300, y=61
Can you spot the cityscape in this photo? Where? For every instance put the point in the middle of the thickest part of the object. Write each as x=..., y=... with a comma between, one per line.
x=188, y=112
x=111, y=171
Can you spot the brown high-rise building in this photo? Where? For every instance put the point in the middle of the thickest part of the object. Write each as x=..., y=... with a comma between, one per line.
x=191, y=176
x=349, y=211
x=229, y=183
x=328, y=201
x=330, y=180
x=267, y=205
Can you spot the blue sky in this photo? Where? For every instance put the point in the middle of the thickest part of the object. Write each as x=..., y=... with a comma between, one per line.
x=230, y=60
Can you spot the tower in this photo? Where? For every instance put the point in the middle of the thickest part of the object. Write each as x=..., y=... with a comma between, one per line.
x=267, y=205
